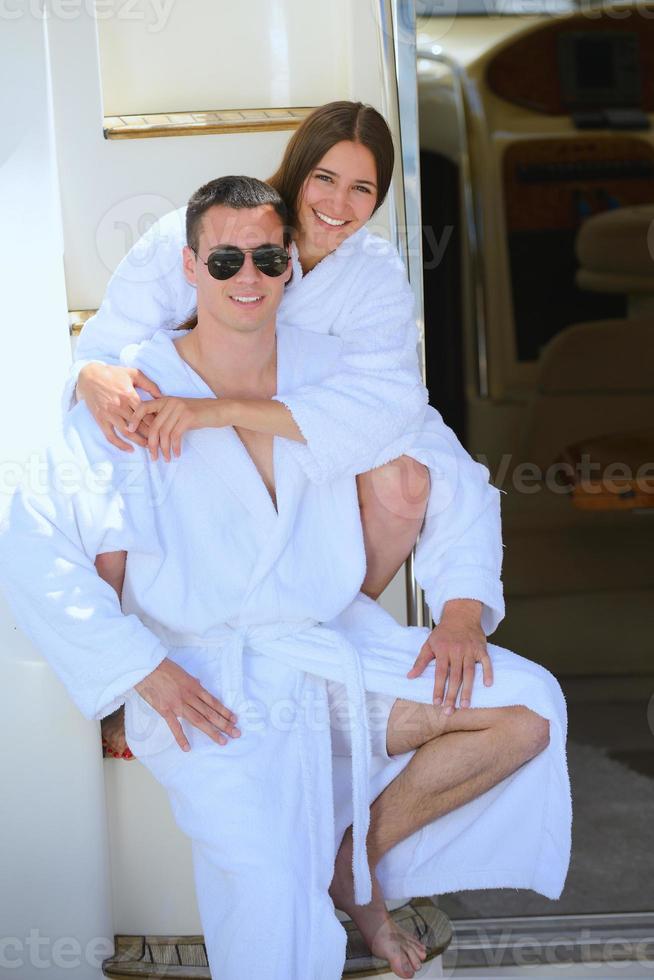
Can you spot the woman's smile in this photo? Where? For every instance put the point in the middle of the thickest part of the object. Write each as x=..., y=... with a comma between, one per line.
x=329, y=221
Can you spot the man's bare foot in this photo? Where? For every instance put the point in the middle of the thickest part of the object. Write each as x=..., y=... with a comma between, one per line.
x=385, y=938
x=113, y=735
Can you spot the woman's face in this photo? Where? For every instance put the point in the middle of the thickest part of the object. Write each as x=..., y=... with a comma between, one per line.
x=337, y=198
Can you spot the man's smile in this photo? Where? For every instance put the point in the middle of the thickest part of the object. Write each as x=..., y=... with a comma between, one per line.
x=247, y=300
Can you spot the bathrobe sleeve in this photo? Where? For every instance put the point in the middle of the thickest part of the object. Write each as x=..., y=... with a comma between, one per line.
x=361, y=416
x=146, y=293
x=76, y=508
x=459, y=551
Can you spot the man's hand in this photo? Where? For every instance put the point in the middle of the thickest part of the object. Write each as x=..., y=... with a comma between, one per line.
x=169, y=418
x=175, y=694
x=111, y=397
x=456, y=644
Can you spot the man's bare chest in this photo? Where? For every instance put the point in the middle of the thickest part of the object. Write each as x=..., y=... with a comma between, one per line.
x=260, y=448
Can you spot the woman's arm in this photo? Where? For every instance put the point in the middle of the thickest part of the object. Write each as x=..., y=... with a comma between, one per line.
x=262, y=415
x=168, y=418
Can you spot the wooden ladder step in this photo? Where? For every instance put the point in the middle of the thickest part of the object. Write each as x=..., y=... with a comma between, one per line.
x=185, y=957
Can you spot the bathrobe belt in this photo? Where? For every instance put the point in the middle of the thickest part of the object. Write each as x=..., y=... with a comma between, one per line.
x=319, y=650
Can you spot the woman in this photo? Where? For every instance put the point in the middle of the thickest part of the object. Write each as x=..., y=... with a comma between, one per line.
x=335, y=174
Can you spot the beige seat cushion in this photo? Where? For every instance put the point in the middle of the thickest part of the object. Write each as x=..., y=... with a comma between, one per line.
x=599, y=356
x=619, y=242
x=594, y=380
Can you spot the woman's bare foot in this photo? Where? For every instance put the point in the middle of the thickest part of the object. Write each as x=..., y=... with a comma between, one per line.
x=385, y=938
x=113, y=735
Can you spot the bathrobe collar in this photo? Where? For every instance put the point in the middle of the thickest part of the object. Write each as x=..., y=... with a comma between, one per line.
x=221, y=449
x=326, y=269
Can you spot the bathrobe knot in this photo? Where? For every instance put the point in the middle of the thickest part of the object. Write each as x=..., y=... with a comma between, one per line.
x=308, y=646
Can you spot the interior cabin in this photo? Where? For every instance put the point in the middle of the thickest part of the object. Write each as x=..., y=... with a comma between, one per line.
x=537, y=177
x=522, y=202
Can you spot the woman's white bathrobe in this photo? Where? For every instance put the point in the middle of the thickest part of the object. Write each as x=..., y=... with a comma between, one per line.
x=262, y=606
x=370, y=411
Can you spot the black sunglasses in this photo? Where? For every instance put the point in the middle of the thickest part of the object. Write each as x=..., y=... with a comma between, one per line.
x=225, y=262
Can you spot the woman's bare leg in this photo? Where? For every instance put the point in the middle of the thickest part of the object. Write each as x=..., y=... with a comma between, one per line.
x=111, y=567
x=393, y=500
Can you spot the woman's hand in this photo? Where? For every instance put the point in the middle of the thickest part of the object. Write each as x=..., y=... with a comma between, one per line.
x=167, y=419
x=111, y=397
x=457, y=644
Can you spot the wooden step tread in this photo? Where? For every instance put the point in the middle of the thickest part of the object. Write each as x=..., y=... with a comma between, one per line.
x=204, y=122
x=77, y=319
x=185, y=958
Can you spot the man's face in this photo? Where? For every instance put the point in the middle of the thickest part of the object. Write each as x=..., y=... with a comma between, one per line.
x=250, y=299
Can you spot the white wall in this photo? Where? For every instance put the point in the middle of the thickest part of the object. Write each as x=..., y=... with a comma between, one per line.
x=204, y=54
x=54, y=895
x=31, y=246
x=111, y=189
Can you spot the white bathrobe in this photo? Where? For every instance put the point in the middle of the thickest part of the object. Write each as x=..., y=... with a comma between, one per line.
x=263, y=607
x=370, y=411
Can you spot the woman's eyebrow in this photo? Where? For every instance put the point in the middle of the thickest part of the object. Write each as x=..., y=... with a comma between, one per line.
x=332, y=173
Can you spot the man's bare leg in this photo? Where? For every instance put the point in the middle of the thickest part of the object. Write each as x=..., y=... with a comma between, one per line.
x=458, y=758
x=110, y=566
x=393, y=500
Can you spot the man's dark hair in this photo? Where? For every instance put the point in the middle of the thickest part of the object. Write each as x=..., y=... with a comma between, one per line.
x=232, y=192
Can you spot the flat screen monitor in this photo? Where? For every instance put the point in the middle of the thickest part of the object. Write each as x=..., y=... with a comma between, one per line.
x=599, y=68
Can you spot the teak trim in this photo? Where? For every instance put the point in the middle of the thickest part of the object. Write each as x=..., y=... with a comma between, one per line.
x=204, y=123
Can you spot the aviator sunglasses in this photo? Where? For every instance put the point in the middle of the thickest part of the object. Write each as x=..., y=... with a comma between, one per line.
x=226, y=261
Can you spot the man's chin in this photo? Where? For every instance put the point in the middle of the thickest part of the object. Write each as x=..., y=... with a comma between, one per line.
x=249, y=325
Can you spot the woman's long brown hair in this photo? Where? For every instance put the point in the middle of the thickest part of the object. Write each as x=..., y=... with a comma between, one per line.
x=330, y=124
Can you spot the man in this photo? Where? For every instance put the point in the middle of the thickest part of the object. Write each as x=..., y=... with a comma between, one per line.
x=241, y=627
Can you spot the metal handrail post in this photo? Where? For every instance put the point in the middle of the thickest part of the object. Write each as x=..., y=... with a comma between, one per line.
x=472, y=216
x=403, y=17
